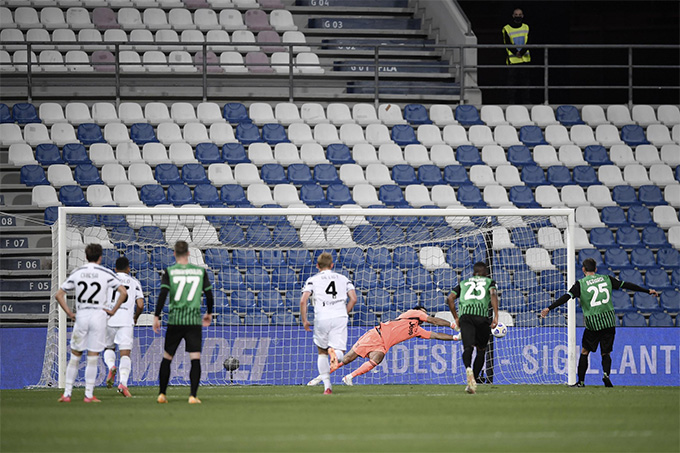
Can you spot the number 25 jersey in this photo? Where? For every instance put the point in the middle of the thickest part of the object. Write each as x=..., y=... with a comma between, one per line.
x=330, y=294
x=474, y=295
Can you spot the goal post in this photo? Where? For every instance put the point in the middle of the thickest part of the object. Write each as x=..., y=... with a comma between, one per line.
x=259, y=258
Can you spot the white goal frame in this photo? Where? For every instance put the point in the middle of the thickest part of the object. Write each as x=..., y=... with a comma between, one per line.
x=64, y=211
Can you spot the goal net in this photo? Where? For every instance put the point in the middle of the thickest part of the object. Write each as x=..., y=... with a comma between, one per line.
x=258, y=260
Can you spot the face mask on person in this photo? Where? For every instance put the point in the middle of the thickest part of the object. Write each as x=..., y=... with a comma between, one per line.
x=517, y=20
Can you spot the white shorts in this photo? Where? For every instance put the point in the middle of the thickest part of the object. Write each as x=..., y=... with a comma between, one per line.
x=331, y=333
x=89, y=331
x=119, y=335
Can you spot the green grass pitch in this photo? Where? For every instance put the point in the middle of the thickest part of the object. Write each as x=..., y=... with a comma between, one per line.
x=386, y=418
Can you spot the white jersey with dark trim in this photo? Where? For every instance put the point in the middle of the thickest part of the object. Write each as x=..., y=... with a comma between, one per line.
x=125, y=316
x=330, y=294
x=92, y=284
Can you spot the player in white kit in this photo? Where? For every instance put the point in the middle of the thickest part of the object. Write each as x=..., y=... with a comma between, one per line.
x=334, y=298
x=92, y=284
x=120, y=330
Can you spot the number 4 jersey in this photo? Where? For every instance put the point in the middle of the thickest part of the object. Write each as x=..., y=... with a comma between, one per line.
x=186, y=283
x=594, y=293
x=474, y=295
x=330, y=294
x=92, y=284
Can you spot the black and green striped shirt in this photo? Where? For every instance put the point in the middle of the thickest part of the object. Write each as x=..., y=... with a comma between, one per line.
x=474, y=295
x=186, y=284
x=594, y=293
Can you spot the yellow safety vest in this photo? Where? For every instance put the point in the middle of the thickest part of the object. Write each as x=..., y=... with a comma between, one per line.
x=519, y=37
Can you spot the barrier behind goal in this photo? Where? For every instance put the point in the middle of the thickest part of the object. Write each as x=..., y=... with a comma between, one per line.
x=259, y=258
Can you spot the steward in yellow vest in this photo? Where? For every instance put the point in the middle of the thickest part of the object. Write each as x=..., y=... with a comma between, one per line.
x=516, y=35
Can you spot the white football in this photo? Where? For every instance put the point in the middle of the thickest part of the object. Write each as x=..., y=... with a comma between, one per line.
x=499, y=331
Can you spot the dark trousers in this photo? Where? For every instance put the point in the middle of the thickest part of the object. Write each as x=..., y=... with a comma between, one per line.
x=519, y=77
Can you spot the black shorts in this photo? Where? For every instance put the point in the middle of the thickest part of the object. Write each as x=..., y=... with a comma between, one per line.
x=475, y=330
x=192, y=336
x=604, y=337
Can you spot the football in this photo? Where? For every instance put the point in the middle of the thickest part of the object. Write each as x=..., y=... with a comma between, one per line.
x=499, y=331
x=231, y=364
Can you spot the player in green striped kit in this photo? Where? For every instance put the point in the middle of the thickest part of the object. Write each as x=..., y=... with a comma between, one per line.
x=475, y=295
x=185, y=284
x=594, y=294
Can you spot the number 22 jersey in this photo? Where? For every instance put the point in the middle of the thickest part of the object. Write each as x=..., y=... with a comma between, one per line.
x=92, y=284
x=330, y=294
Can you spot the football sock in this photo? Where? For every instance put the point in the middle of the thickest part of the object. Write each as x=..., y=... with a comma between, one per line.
x=324, y=367
x=109, y=358
x=606, y=363
x=467, y=356
x=71, y=372
x=90, y=374
x=479, y=362
x=164, y=375
x=583, y=367
x=194, y=375
x=365, y=368
x=125, y=367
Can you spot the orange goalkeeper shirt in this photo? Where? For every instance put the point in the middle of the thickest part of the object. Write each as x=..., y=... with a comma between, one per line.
x=405, y=327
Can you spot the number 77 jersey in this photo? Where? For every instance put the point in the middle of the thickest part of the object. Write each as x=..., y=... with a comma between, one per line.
x=186, y=283
x=474, y=295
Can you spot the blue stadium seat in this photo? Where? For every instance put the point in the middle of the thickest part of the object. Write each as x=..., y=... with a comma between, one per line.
x=416, y=114
x=404, y=175
x=520, y=156
x=162, y=257
x=533, y=175
x=456, y=175
x=552, y=281
x=433, y=300
x=512, y=300
x=419, y=279
x=286, y=236
x=365, y=235
x=142, y=133
x=527, y=320
x=596, y=155
x=642, y=258
x=434, y=221
x=538, y=300
x=5, y=114
x=379, y=300
x=258, y=235
x=555, y=320
x=503, y=279
x=590, y=253
x=405, y=257
x=403, y=135
x=235, y=112
x=122, y=235
x=639, y=216
x=75, y=154
x=646, y=303
x=351, y=258
x=217, y=258
x=48, y=154
x=585, y=175
x=300, y=174
x=418, y=233
x=677, y=173
x=245, y=259
x=312, y=195
x=270, y=301
x=284, y=279
x=230, y=279
x=458, y=257
x=113, y=220
x=326, y=174
x=109, y=257
x=138, y=258
x=339, y=153
x=524, y=280
x=248, y=133
x=559, y=259
x=90, y=133
x=25, y=113
x=150, y=281
x=523, y=237
x=603, y=238
x=152, y=194
x=392, y=195
x=511, y=259
x=194, y=174
x=654, y=237
x=531, y=136
x=150, y=234
x=445, y=279
x=670, y=301
x=559, y=176
x=392, y=279
x=180, y=194
x=233, y=195
x=633, y=320
x=392, y=234
x=668, y=258
x=243, y=301
x=167, y=174
x=273, y=220
x=470, y=196
x=651, y=195
x=631, y=276
x=675, y=278
x=625, y=195
x=234, y=153
x=627, y=237
x=274, y=133
x=633, y=135
x=225, y=317
x=568, y=115
x=208, y=153
x=523, y=197
x=621, y=302
x=468, y=155
x=284, y=319
x=72, y=196
x=365, y=278
x=273, y=174
x=467, y=115
x=657, y=279
x=616, y=258
x=339, y=194
x=206, y=195
x=430, y=175
x=614, y=216
x=87, y=175
x=660, y=319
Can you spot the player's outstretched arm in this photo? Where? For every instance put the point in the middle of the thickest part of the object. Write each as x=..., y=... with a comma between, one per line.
x=638, y=289
x=443, y=336
x=440, y=322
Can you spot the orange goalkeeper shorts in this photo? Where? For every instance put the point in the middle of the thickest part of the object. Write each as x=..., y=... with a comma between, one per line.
x=369, y=342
